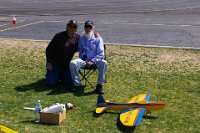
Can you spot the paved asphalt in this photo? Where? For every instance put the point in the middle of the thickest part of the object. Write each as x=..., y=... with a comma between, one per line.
x=169, y=23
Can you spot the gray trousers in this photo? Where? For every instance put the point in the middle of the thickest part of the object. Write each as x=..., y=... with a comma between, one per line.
x=76, y=64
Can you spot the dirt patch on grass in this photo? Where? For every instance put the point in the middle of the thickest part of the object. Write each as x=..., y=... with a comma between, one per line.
x=179, y=56
x=159, y=55
x=120, y=53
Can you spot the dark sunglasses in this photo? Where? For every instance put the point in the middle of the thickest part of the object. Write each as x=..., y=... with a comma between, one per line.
x=88, y=26
x=73, y=26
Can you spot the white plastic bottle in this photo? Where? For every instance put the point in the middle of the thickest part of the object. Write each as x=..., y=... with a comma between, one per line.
x=38, y=108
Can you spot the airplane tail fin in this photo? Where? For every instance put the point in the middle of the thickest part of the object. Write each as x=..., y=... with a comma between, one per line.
x=101, y=105
x=100, y=100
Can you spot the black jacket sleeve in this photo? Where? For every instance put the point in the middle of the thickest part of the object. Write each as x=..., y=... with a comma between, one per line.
x=50, y=50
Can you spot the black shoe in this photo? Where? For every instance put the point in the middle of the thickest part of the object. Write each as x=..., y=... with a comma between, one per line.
x=99, y=89
x=76, y=88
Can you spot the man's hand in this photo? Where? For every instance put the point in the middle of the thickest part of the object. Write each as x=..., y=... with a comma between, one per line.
x=89, y=63
x=96, y=34
x=48, y=66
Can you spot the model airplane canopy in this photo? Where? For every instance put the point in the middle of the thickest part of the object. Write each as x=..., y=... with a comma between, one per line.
x=132, y=112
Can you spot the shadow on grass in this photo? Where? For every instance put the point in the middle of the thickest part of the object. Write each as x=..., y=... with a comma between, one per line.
x=38, y=123
x=60, y=88
x=40, y=86
x=83, y=93
x=120, y=126
x=100, y=114
x=124, y=129
x=150, y=117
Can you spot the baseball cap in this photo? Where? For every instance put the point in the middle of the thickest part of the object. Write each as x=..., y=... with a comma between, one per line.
x=72, y=22
x=89, y=22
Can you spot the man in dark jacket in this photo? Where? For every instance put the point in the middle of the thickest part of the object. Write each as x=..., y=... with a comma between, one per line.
x=59, y=53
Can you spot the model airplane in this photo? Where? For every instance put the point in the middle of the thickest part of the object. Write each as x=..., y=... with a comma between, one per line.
x=132, y=112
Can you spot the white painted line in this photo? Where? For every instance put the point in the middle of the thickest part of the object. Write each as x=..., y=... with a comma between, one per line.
x=56, y=21
x=148, y=24
x=11, y=23
x=185, y=25
x=4, y=24
x=21, y=26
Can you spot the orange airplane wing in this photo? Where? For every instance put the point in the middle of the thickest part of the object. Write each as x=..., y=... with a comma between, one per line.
x=141, y=97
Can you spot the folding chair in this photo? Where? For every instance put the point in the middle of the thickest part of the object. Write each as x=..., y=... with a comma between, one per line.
x=86, y=72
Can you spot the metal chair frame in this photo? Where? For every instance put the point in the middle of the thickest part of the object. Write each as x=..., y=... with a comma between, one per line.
x=87, y=72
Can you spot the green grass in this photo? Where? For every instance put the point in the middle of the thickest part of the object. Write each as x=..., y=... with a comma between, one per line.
x=170, y=75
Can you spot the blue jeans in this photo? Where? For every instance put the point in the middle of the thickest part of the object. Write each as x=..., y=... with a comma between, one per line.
x=56, y=74
x=76, y=64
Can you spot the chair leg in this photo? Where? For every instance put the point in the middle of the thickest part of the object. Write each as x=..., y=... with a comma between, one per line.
x=85, y=75
x=86, y=81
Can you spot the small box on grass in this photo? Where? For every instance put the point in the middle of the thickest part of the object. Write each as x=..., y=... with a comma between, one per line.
x=52, y=118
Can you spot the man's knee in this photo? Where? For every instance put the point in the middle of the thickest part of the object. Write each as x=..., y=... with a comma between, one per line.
x=51, y=78
x=72, y=64
x=50, y=83
x=103, y=63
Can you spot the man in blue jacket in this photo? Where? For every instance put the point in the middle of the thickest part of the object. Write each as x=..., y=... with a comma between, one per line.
x=91, y=52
